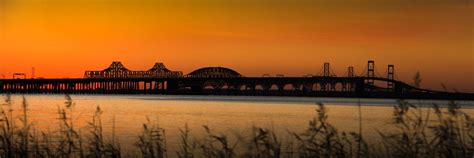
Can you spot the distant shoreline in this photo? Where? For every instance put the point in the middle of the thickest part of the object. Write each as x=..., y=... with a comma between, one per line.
x=274, y=99
x=304, y=100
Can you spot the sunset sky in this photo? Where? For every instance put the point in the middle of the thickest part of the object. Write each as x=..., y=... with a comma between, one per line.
x=63, y=38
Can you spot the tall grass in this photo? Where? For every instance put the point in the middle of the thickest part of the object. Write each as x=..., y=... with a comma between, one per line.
x=417, y=136
x=7, y=126
x=265, y=143
x=216, y=145
x=322, y=139
x=188, y=146
x=420, y=132
x=25, y=141
x=152, y=141
x=97, y=146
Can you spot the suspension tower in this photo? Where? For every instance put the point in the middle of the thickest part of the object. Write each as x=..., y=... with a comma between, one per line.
x=390, y=76
x=327, y=70
x=370, y=72
x=350, y=73
x=326, y=73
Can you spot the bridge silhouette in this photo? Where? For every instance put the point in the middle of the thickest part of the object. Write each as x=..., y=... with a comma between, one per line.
x=117, y=79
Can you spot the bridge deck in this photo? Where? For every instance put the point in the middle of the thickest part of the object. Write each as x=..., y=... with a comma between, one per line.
x=253, y=86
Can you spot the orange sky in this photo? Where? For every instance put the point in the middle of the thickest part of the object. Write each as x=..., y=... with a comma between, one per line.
x=292, y=37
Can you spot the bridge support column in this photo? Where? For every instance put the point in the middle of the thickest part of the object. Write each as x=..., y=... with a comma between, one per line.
x=360, y=88
x=145, y=87
x=324, y=86
x=171, y=86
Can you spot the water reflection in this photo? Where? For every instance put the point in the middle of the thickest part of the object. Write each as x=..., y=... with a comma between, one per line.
x=229, y=115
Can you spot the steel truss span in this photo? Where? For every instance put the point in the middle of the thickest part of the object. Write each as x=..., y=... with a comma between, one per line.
x=117, y=70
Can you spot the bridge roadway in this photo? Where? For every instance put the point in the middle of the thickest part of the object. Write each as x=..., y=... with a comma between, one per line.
x=354, y=87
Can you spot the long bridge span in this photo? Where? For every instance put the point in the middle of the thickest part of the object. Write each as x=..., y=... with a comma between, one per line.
x=117, y=79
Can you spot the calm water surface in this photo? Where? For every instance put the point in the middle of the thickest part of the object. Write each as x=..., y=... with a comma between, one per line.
x=223, y=114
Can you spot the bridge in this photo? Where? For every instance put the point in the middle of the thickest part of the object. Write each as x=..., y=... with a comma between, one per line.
x=117, y=79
